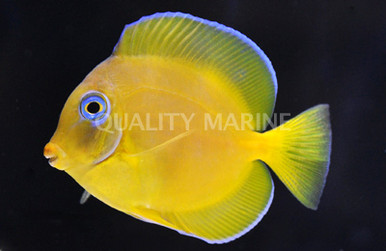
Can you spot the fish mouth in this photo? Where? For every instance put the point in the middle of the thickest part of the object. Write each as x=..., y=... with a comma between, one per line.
x=53, y=153
x=52, y=160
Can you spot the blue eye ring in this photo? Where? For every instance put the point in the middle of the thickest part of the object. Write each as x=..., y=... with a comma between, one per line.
x=95, y=106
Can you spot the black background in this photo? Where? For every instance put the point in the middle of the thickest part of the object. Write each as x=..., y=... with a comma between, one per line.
x=323, y=52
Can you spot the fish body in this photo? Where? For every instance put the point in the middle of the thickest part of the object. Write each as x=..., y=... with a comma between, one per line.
x=168, y=130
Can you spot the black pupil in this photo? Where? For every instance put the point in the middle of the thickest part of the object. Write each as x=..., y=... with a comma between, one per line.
x=93, y=107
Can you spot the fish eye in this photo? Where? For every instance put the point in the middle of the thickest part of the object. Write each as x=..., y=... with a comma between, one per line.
x=94, y=106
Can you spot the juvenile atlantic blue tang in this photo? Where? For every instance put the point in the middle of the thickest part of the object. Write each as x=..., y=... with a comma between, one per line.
x=169, y=130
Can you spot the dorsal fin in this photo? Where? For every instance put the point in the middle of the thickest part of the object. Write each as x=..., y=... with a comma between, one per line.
x=210, y=45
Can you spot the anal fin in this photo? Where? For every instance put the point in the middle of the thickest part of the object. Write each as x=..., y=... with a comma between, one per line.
x=229, y=218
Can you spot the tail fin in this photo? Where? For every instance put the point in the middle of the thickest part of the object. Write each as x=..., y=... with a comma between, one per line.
x=299, y=153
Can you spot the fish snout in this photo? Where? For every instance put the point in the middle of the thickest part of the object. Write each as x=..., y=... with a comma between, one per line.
x=53, y=153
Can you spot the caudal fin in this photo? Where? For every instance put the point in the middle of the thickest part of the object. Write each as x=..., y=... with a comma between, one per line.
x=299, y=153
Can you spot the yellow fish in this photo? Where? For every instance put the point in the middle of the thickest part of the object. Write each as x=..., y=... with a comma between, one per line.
x=170, y=129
